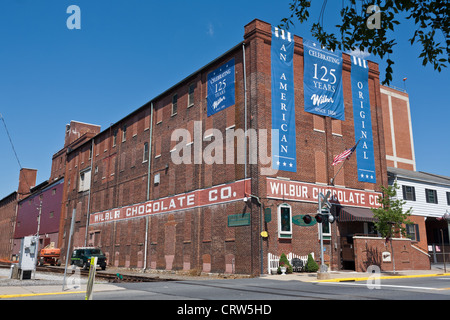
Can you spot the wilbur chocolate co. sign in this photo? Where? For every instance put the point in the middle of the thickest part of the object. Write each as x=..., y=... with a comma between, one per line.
x=308, y=192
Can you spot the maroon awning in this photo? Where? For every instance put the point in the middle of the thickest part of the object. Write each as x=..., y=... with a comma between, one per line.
x=351, y=214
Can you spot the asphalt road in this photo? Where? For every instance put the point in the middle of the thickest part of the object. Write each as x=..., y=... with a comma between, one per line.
x=260, y=290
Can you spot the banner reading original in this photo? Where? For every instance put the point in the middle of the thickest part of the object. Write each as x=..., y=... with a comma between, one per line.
x=204, y=197
x=307, y=192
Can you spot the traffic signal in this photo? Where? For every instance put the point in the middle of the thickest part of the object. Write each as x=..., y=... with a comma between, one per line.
x=319, y=218
x=307, y=219
x=323, y=217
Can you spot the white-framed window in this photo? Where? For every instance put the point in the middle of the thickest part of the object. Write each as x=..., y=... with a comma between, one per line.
x=145, y=155
x=174, y=104
x=326, y=226
x=284, y=221
x=191, y=95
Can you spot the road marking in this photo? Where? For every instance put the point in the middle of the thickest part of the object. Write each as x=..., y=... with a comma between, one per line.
x=383, y=285
x=8, y=296
x=375, y=277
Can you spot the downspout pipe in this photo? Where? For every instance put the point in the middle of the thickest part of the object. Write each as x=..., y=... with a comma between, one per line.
x=148, y=184
x=89, y=198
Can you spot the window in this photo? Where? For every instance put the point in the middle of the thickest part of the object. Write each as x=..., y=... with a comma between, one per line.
x=191, y=95
x=285, y=221
x=412, y=232
x=124, y=133
x=326, y=226
x=431, y=196
x=145, y=155
x=85, y=181
x=174, y=104
x=448, y=198
x=114, y=138
x=409, y=193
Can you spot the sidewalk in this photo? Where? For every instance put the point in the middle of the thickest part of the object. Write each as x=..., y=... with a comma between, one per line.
x=337, y=276
x=28, y=291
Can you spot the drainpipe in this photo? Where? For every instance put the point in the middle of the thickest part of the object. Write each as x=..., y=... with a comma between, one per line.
x=245, y=110
x=148, y=184
x=89, y=198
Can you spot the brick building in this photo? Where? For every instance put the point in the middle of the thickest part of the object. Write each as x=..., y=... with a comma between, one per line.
x=130, y=198
x=8, y=211
x=398, y=130
x=39, y=212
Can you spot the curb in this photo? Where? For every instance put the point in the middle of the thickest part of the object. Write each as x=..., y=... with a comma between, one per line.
x=374, y=277
x=8, y=296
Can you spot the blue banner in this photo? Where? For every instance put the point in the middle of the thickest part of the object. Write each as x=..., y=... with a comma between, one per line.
x=322, y=81
x=362, y=121
x=284, y=155
x=221, y=92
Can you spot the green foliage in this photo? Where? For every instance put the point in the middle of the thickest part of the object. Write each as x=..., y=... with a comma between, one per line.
x=284, y=262
x=390, y=217
x=311, y=265
x=428, y=16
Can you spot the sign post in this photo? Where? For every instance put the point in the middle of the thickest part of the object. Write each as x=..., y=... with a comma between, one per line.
x=323, y=202
x=90, y=284
x=68, y=247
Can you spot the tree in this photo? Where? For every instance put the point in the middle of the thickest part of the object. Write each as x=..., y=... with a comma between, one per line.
x=390, y=218
x=365, y=27
x=311, y=265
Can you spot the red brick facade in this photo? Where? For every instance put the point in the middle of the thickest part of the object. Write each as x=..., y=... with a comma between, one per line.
x=398, y=133
x=201, y=238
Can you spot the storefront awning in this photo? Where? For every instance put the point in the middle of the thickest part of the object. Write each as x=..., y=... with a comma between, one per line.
x=350, y=214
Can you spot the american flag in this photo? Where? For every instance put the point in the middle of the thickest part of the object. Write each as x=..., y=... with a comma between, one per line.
x=344, y=155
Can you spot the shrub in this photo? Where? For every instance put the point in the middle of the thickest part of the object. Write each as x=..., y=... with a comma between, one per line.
x=284, y=262
x=311, y=265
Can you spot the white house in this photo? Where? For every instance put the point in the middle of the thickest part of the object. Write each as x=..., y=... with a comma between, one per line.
x=429, y=197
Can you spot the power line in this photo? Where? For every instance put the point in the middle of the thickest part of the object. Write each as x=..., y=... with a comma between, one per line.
x=14, y=150
x=10, y=140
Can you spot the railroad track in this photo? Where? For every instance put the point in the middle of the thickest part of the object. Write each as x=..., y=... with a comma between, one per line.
x=111, y=277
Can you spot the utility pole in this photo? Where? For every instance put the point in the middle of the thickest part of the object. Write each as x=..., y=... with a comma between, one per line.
x=37, y=233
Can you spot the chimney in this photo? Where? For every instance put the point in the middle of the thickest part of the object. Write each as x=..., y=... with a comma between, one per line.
x=27, y=180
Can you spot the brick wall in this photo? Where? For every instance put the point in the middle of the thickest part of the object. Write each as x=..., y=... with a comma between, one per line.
x=397, y=129
x=200, y=238
x=368, y=251
x=8, y=206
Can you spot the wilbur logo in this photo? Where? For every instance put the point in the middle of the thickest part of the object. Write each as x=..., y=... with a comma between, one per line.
x=217, y=103
x=318, y=100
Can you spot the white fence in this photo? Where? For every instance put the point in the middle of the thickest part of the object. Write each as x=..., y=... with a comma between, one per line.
x=273, y=261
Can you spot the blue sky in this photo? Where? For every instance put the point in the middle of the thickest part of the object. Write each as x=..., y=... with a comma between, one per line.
x=129, y=51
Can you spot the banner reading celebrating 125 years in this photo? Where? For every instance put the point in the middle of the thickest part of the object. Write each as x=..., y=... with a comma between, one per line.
x=362, y=120
x=284, y=155
x=322, y=81
x=221, y=88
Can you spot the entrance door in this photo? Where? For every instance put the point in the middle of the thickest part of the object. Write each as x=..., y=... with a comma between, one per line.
x=347, y=253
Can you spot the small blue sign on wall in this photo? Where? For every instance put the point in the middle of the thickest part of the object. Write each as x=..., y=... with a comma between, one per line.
x=221, y=91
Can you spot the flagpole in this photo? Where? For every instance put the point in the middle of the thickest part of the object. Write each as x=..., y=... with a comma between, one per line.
x=343, y=162
x=332, y=179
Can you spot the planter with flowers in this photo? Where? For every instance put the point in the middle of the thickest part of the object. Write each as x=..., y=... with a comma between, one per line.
x=284, y=265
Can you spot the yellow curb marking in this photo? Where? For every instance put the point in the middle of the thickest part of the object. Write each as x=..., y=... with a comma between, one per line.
x=7, y=296
x=383, y=277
